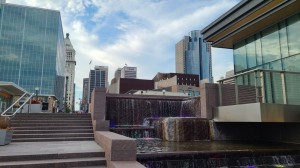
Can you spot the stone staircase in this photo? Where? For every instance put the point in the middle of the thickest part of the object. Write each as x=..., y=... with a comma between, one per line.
x=43, y=140
x=62, y=160
x=38, y=127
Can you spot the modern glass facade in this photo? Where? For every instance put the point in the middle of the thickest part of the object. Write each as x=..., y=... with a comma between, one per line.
x=32, y=52
x=196, y=58
x=277, y=48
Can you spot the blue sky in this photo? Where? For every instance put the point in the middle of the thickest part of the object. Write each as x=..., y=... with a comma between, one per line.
x=140, y=33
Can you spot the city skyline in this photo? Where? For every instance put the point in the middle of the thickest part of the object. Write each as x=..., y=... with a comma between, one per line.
x=113, y=33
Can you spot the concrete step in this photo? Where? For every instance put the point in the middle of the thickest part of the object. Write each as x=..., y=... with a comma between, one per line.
x=52, y=127
x=53, y=131
x=55, y=135
x=91, y=167
x=51, y=121
x=8, y=158
x=52, y=114
x=73, y=162
x=53, y=139
x=49, y=124
x=50, y=118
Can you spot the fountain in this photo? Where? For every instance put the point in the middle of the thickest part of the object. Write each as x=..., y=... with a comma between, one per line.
x=133, y=111
x=170, y=133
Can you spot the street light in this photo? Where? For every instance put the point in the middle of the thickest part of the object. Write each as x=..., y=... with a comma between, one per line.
x=189, y=91
x=36, y=92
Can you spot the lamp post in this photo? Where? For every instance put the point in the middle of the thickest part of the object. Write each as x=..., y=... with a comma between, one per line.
x=36, y=92
x=189, y=91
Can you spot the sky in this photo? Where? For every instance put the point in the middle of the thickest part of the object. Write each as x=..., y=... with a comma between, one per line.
x=139, y=33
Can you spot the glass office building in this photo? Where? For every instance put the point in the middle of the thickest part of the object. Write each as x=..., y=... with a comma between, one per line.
x=193, y=56
x=32, y=52
x=276, y=47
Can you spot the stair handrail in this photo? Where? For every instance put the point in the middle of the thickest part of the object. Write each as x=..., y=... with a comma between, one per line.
x=9, y=116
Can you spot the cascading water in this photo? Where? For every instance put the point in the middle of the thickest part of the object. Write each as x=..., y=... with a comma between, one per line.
x=130, y=111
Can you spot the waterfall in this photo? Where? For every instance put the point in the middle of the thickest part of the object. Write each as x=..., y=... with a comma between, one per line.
x=133, y=111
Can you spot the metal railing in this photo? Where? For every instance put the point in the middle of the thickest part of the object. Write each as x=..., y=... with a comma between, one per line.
x=10, y=113
x=260, y=85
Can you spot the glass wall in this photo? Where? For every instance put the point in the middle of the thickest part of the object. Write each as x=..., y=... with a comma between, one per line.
x=277, y=48
x=32, y=50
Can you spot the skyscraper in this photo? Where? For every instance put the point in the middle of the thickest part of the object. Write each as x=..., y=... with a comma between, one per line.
x=193, y=56
x=181, y=48
x=85, y=94
x=70, y=73
x=98, y=78
x=128, y=72
x=118, y=73
x=32, y=51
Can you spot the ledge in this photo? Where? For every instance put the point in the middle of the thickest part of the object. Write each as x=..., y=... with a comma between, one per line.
x=117, y=148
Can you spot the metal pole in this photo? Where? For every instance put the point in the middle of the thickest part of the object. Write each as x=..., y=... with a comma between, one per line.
x=256, y=87
x=263, y=96
x=220, y=93
x=236, y=88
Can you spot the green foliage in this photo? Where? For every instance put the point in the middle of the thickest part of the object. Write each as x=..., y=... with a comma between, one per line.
x=68, y=110
x=4, y=123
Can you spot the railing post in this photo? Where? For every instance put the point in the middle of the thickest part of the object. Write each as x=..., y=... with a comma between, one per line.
x=29, y=107
x=283, y=87
x=220, y=93
x=236, y=88
x=256, y=87
x=263, y=98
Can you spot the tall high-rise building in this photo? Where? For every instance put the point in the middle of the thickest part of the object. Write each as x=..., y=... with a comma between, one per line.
x=70, y=73
x=32, y=50
x=2, y=1
x=181, y=48
x=118, y=73
x=85, y=94
x=98, y=78
x=193, y=56
x=128, y=72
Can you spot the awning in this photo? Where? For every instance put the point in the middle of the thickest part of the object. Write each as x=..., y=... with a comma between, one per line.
x=12, y=89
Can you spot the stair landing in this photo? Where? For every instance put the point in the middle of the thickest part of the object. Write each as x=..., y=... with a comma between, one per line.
x=57, y=154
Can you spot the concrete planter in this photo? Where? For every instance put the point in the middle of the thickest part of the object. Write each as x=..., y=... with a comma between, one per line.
x=35, y=108
x=5, y=136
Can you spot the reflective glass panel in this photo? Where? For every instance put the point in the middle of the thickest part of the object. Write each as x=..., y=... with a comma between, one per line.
x=294, y=34
x=239, y=54
x=251, y=55
x=270, y=44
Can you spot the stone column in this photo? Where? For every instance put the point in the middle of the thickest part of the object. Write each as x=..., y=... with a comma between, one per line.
x=98, y=109
x=209, y=99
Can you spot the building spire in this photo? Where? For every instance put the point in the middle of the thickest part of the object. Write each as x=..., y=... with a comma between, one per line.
x=67, y=35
